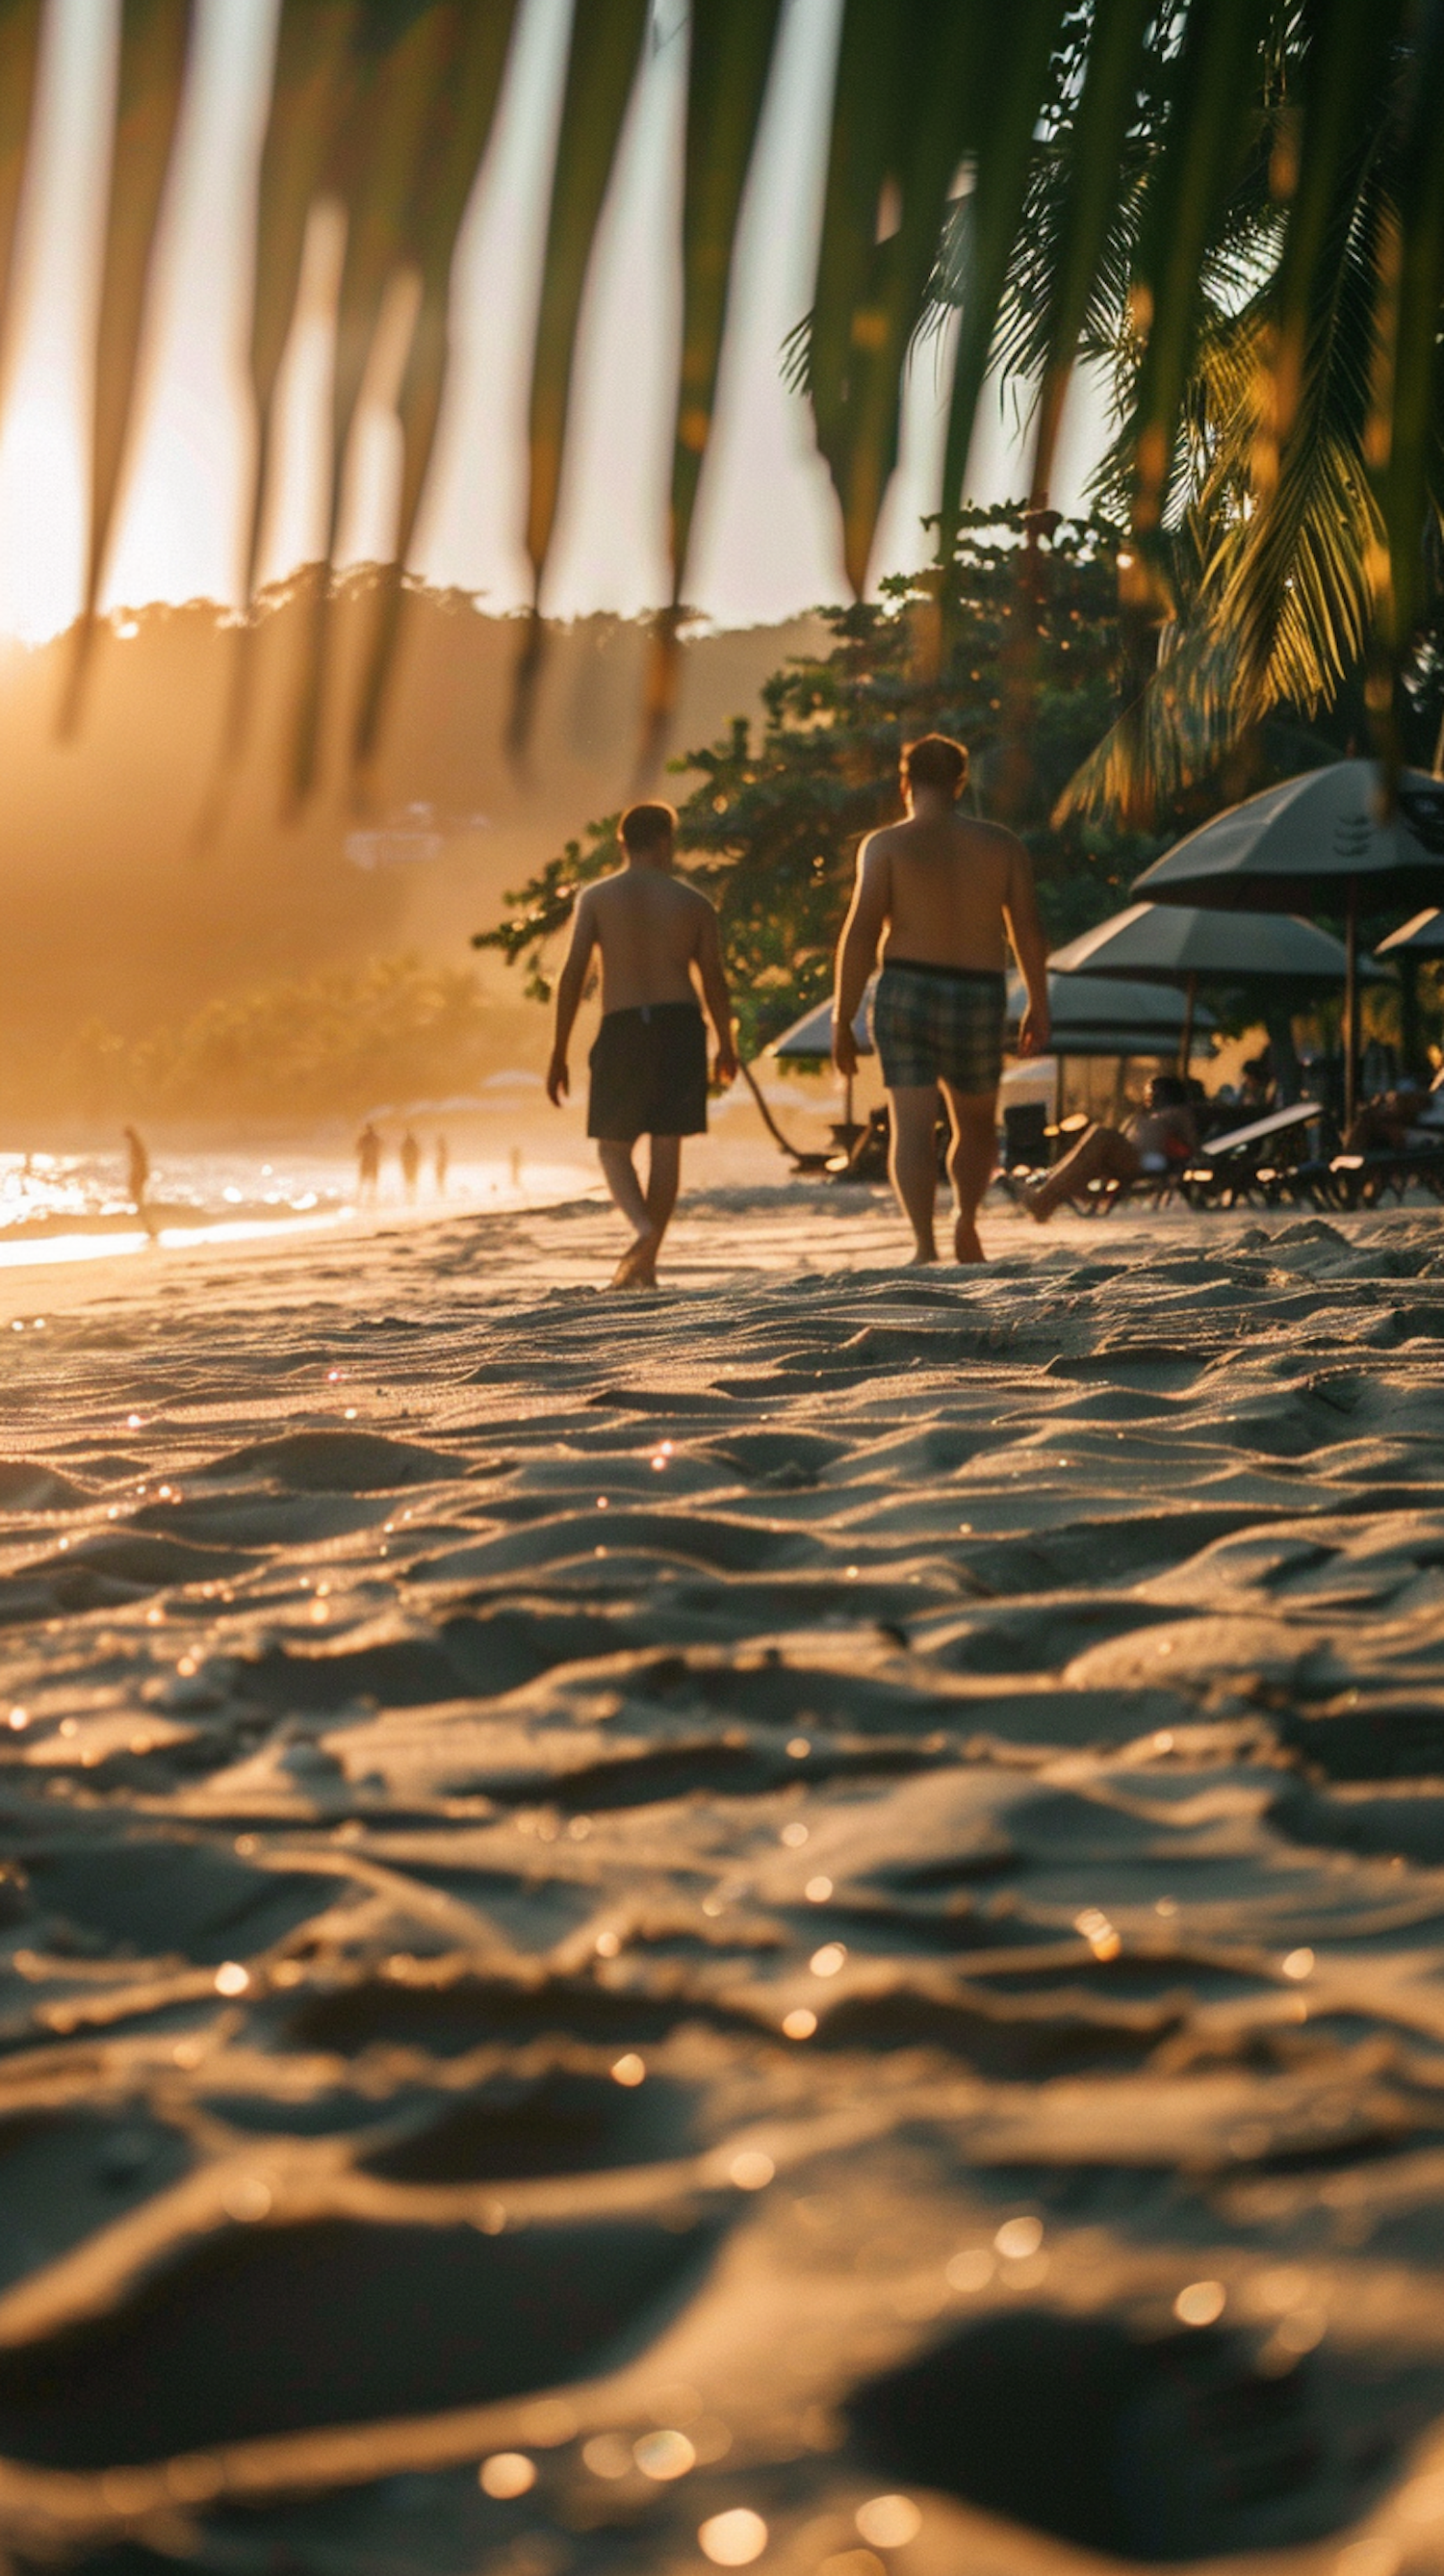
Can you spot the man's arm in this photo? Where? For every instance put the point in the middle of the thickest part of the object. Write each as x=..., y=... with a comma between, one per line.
x=570, y=985
x=857, y=948
x=715, y=993
x=1020, y=911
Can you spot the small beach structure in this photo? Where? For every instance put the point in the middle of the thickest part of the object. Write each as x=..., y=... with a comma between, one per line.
x=1320, y=842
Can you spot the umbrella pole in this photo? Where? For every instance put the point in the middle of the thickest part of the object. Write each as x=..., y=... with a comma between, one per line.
x=1351, y=1006
x=847, y=1105
x=1185, y=1043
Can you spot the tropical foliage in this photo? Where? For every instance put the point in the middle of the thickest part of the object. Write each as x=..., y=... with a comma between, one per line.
x=1030, y=675
x=1160, y=120
x=1261, y=537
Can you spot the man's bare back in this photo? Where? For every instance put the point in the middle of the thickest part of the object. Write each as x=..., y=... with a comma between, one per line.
x=651, y=930
x=948, y=882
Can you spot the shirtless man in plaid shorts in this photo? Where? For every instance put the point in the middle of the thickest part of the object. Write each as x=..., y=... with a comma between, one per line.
x=944, y=888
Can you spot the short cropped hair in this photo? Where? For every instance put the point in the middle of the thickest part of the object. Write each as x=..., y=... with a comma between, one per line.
x=642, y=827
x=935, y=760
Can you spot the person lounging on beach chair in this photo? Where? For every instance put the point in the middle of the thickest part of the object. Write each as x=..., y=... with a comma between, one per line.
x=1396, y=1139
x=1147, y=1155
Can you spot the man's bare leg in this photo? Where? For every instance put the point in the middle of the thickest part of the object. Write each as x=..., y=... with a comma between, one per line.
x=1101, y=1153
x=620, y=1174
x=971, y=1158
x=664, y=1176
x=914, y=1161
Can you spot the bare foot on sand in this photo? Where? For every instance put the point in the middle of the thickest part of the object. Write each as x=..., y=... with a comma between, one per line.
x=638, y=1265
x=925, y=1253
x=966, y=1246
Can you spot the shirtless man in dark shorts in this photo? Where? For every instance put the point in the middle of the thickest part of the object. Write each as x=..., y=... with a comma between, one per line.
x=658, y=941
x=944, y=888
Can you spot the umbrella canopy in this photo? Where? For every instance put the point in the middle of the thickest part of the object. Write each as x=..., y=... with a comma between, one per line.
x=1177, y=943
x=1421, y=937
x=1189, y=945
x=1110, y=1015
x=1096, y=1016
x=1315, y=841
x=812, y=1035
x=1304, y=842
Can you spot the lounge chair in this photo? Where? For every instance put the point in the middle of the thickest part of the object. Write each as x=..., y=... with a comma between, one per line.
x=1362, y=1180
x=1260, y=1164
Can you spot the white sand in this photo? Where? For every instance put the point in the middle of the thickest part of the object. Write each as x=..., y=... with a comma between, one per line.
x=445, y=1693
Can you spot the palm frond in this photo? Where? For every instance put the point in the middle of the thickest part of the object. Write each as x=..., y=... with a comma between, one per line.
x=154, y=43
x=478, y=39
x=1237, y=204
x=606, y=48
x=732, y=45
x=20, y=23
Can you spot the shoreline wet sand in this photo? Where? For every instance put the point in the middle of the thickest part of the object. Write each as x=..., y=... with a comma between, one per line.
x=820, y=1897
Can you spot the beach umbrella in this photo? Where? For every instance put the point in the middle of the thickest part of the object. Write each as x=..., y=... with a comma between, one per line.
x=1092, y=1016
x=1421, y=937
x=1316, y=842
x=1184, y=945
x=1134, y=1018
x=1418, y=942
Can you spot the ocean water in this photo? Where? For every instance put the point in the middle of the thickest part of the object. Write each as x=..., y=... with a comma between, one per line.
x=65, y=1207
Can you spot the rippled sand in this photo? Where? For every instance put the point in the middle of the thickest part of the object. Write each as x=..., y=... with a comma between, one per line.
x=814, y=1903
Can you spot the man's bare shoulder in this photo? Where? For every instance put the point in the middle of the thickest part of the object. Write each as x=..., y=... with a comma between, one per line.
x=602, y=890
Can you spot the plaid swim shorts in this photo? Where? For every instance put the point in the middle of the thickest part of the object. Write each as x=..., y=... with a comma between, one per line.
x=939, y=1024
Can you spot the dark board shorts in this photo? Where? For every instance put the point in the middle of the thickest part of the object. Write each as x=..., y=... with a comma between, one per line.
x=939, y=1024
x=649, y=1074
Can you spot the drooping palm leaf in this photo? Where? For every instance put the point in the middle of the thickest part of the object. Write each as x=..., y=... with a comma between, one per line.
x=731, y=53
x=19, y=56
x=1216, y=69
x=154, y=43
x=1089, y=209
x=309, y=83
x=402, y=59
x=1010, y=103
x=606, y=47
x=479, y=39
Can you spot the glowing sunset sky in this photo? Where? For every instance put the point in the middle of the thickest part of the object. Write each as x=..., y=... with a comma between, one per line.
x=766, y=544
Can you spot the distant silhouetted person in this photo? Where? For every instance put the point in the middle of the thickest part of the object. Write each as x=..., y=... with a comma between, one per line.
x=410, y=1163
x=137, y=1169
x=441, y=1165
x=368, y=1161
x=515, y=1160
